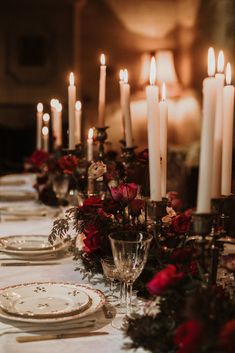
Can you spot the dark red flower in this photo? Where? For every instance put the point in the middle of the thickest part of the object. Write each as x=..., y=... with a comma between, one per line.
x=188, y=336
x=92, y=240
x=68, y=164
x=38, y=158
x=164, y=280
x=136, y=206
x=227, y=337
x=181, y=254
x=111, y=206
x=188, y=213
x=124, y=192
x=93, y=201
x=175, y=201
x=181, y=224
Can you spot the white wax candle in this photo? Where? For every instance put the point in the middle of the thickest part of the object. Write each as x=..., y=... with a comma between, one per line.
x=45, y=138
x=127, y=110
x=217, y=149
x=207, y=138
x=56, y=119
x=78, y=122
x=163, y=114
x=227, y=147
x=121, y=83
x=46, y=119
x=39, y=126
x=72, y=100
x=102, y=92
x=153, y=135
x=90, y=145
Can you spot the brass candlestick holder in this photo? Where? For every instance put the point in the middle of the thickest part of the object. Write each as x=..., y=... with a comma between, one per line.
x=101, y=138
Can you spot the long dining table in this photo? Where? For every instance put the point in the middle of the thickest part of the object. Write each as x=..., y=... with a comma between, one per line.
x=62, y=271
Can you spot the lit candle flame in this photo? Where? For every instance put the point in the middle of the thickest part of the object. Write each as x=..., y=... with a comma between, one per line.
x=71, y=79
x=78, y=105
x=125, y=76
x=59, y=107
x=102, y=59
x=40, y=107
x=228, y=74
x=54, y=102
x=121, y=75
x=211, y=62
x=163, y=91
x=90, y=134
x=46, y=117
x=152, y=74
x=220, y=61
x=45, y=130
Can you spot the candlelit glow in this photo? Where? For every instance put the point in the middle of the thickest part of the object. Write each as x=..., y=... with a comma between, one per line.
x=228, y=74
x=121, y=75
x=46, y=117
x=102, y=59
x=59, y=107
x=40, y=107
x=71, y=79
x=45, y=130
x=163, y=91
x=211, y=62
x=54, y=102
x=152, y=74
x=90, y=134
x=78, y=105
x=125, y=76
x=220, y=61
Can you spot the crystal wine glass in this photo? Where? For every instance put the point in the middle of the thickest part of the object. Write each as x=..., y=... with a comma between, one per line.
x=130, y=251
x=60, y=185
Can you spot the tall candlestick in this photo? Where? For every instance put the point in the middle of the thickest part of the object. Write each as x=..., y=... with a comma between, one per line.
x=90, y=145
x=153, y=135
x=217, y=150
x=72, y=100
x=39, y=126
x=121, y=83
x=163, y=113
x=127, y=110
x=45, y=138
x=102, y=91
x=207, y=138
x=227, y=147
x=78, y=121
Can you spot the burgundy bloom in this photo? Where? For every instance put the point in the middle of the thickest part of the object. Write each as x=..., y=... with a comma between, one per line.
x=92, y=239
x=68, y=164
x=227, y=337
x=136, y=206
x=188, y=336
x=164, y=280
x=182, y=254
x=124, y=192
x=181, y=224
x=93, y=201
x=38, y=158
x=188, y=213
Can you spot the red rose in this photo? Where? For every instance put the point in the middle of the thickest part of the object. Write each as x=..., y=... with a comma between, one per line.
x=188, y=336
x=68, y=164
x=181, y=224
x=124, y=192
x=92, y=239
x=93, y=201
x=182, y=254
x=136, y=206
x=227, y=337
x=38, y=158
x=164, y=280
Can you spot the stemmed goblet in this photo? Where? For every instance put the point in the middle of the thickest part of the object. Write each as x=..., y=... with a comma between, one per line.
x=60, y=185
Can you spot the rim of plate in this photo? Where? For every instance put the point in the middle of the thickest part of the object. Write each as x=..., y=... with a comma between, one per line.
x=90, y=310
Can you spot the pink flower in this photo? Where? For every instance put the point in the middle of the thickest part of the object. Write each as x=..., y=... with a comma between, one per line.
x=164, y=280
x=188, y=336
x=124, y=192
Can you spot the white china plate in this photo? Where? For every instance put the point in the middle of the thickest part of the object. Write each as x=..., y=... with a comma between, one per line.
x=43, y=300
x=26, y=211
x=30, y=245
x=17, y=195
x=97, y=300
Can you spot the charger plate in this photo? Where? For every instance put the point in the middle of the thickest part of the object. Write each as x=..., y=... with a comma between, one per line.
x=96, y=301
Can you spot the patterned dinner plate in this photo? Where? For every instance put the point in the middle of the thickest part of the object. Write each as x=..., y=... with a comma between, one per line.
x=43, y=300
x=63, y=297
x=30, y=245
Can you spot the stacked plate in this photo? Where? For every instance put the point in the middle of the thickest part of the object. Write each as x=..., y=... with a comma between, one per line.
x=13, y=195
x=32, y=211
x=31, y=246
x=49, y=302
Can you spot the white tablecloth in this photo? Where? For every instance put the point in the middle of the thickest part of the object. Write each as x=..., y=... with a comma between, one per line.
x=111, y=343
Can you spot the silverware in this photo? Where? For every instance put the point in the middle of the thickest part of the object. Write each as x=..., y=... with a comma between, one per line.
x=28, y=263
x=25, y=339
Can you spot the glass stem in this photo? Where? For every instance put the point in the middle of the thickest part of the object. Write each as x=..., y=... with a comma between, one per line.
x=128, y=298
x=122, y=292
